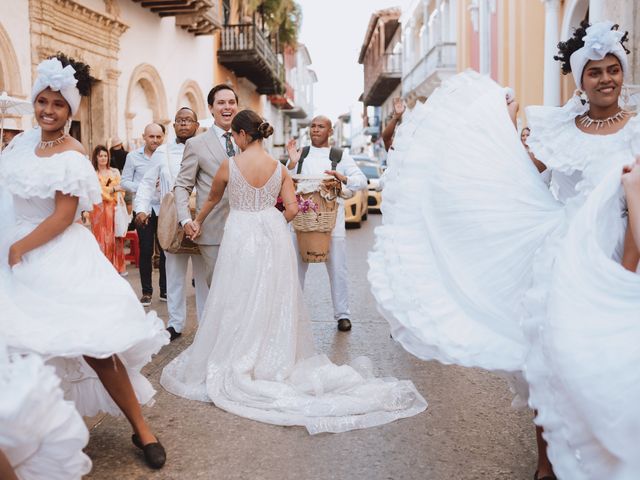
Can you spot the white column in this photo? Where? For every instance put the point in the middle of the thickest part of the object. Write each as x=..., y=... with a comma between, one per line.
x=425, y=21
x=551, y=38
x=484, y=37
x=596, y=11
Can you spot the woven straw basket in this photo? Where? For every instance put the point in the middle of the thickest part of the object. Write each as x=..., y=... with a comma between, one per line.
x=313, y=228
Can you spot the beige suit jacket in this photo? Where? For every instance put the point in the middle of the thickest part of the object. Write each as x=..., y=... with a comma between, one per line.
x=203, y=155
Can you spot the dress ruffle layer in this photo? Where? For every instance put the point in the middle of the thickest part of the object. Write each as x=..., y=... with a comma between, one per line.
x=464, y=213
x=26, y=175
x=41, y=434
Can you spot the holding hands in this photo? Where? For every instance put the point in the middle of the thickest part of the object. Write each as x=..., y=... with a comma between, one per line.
x=192, y=229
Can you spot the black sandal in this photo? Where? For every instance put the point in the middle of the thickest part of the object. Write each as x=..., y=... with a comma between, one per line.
x=154, y=453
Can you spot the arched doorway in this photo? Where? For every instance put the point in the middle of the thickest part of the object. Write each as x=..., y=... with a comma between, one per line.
x=191, y=96
x=10, y=83
x=146, y=102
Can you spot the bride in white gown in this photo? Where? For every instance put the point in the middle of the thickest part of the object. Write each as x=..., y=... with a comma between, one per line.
x=253, y=354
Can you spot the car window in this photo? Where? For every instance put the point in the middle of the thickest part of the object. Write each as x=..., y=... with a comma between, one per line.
x=370, y=171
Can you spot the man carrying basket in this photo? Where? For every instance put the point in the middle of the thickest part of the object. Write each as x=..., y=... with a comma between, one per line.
x=316, y=160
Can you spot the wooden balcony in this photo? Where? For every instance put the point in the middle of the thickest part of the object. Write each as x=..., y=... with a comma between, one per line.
x=249, y=53
x=200, y=17
x=285, y=99
x=381, y=77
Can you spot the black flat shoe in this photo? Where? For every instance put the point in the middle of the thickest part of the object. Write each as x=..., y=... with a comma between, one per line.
x=173, y=334
x=154, y=453
x=344, y=324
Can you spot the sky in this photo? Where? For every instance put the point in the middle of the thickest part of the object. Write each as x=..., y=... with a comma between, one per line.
x=333, y=31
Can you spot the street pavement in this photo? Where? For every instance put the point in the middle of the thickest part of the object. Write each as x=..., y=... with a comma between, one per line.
x=469, y=431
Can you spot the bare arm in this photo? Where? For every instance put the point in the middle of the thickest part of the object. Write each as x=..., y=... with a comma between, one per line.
x=387, y=133
x=51, y=227
x=6, y=471
x=218, y=187
x=288, y=195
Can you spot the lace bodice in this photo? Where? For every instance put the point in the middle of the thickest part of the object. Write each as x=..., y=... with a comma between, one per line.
x=243, y=196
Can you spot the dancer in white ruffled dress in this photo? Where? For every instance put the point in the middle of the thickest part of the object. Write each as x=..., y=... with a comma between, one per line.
x=75, y=310
x=253, y=354
x=474, y=246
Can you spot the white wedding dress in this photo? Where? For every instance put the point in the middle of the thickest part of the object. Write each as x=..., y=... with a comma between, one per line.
x=70, y=300
x=253, y=354
x=478, y=263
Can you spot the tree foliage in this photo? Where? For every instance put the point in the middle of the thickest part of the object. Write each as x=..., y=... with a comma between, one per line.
x=281, y=16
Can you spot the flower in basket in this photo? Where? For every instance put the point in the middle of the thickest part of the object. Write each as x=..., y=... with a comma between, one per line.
x=306, y=205
x=280, y=204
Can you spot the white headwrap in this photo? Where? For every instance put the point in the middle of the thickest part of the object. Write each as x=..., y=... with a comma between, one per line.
x=52, y=75
x=599, y=41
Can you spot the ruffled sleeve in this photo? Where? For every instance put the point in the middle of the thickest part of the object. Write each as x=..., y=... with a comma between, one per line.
x=553, y=138
x=26, y=175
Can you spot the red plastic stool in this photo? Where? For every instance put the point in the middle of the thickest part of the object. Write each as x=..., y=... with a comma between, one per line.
x=134, y=248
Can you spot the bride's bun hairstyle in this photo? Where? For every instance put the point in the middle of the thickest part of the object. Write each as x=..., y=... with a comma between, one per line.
x=253, y=125
x=592, y=42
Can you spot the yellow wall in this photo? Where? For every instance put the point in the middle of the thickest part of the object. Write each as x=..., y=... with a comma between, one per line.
x=520, y=52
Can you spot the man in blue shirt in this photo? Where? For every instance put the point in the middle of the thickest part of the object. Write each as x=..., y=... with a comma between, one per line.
x=136, y=165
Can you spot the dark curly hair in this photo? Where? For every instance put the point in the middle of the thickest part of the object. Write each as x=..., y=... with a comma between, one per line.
x=85, y=80
x=576, y=42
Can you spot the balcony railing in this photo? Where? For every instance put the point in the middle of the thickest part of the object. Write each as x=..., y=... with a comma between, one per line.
x=249, y=53
x=381, y=77
x=440, y=57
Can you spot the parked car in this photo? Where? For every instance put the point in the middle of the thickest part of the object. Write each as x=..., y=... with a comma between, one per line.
x=355, y=208
x=372, y=171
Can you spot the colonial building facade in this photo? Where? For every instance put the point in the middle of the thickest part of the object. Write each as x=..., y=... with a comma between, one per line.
x=148, y=59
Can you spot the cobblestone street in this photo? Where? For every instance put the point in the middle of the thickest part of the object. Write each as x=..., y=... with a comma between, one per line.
x=468, y=432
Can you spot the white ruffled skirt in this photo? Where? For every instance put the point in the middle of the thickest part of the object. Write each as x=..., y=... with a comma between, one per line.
x=41, y=434
x=72, y=304
x=477, y=264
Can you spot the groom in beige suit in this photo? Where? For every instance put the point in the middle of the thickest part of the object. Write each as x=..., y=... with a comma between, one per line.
x=202, y=157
